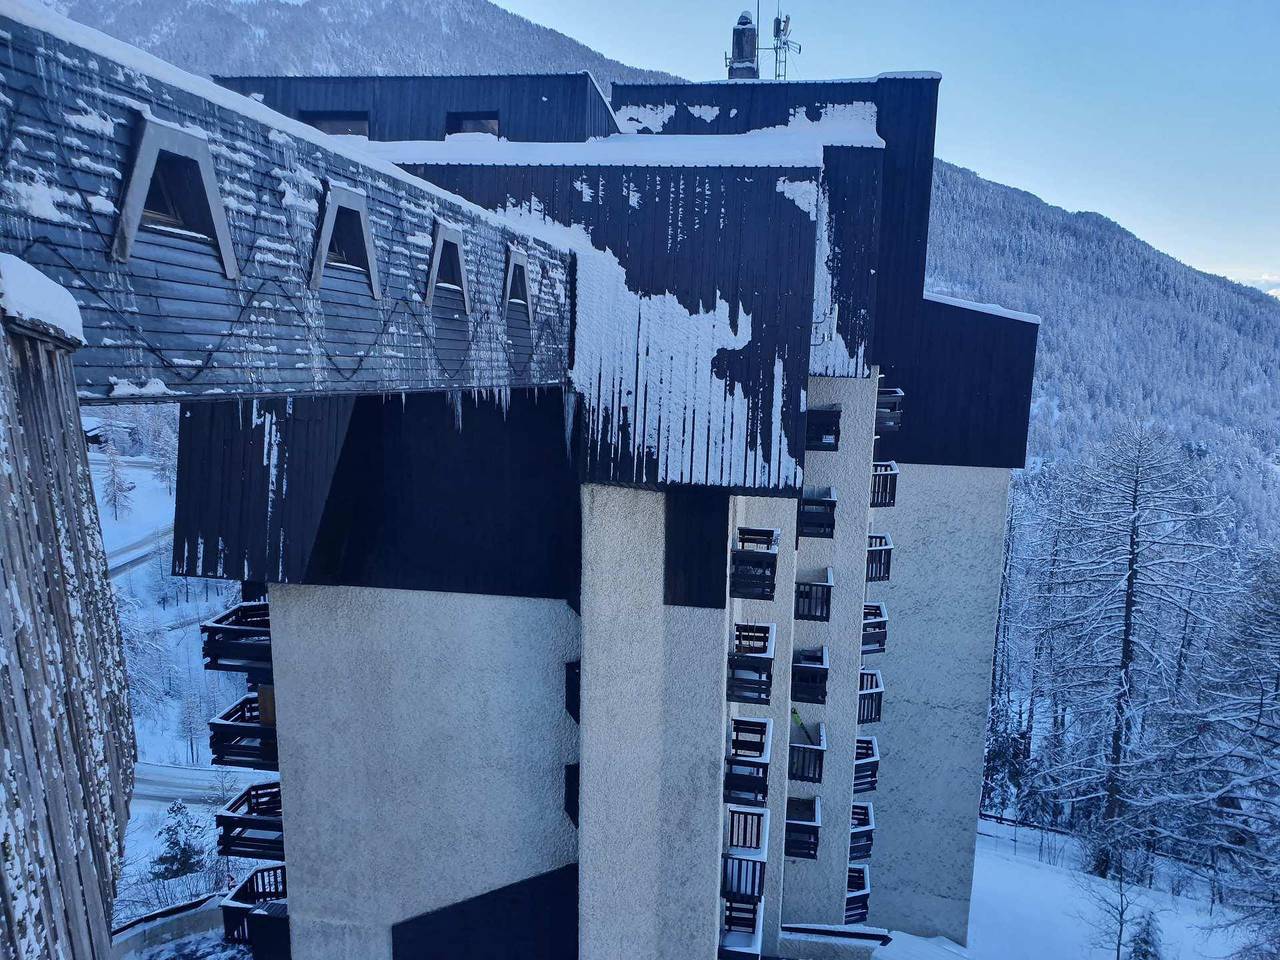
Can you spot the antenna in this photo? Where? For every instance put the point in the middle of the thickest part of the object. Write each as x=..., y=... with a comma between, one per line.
x=782, y=43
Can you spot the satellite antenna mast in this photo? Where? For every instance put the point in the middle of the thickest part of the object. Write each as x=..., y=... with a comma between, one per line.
x=782, y=43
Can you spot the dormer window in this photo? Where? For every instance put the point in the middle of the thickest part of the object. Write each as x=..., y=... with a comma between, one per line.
x=173, y=189
x=519, y=312
x=352, y=123
x=476, y=121
x=449, y=301
x=345, y=242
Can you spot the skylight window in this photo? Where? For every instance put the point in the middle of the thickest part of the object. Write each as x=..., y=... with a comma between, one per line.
x=449, y=302
x=519, y=312
x=353, y=123
x=479, y=121
x=173, y=189
x=345, y=241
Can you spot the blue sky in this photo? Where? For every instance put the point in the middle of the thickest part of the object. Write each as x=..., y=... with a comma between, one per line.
x=1162, y=114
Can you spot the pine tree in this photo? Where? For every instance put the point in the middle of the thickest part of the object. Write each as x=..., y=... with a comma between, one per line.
x=164, y=453
x=117, y=490
x=1144, y=943
x=183, y=851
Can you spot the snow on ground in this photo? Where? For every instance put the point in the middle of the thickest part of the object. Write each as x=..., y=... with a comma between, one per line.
x=204, y=946
x=1024, y=909
x=151, y=514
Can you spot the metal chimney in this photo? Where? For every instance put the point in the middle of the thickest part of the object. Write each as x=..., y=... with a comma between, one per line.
x=742, y=63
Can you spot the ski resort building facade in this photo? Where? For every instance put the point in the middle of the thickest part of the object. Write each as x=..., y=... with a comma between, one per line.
x=619, y=522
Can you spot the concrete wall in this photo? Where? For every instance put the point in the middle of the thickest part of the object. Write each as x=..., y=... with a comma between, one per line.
x=814, y=889
x=948, y=541
x=422, y=743
x=779, y=514
x=652, y=743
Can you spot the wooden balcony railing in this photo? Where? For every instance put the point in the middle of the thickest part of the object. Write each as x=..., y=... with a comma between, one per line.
x=862, y=825
x=742, y=878
x=889, y=409
x=884, y=483
x=753, y=564
x=573, y=689
x=809, y=671
x=866, y=765
x=239, y=641
x=875, y=628
x=259, y=887
x=879, y=557
x=807, y=753
x=741, y=930
x=750, y=677
x=252, y=825
x=857, y=894
x=804, y=823
x=870, y=696
x=747, y=828
x=816, y=513
x=243, y=737
x=746, y=765
x=813, y=595
x=822, y=428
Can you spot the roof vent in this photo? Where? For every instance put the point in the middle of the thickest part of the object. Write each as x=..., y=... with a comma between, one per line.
x=742, y=62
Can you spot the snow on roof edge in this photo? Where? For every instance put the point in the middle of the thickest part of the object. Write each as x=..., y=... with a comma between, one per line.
x=68, y=30
x=991, y=308
x=27, y=294
x=890, y=75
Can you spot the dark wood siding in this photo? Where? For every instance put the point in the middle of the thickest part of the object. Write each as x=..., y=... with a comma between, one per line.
x=967, y=379
x=906, y=116
x=710, y=255
x=531, y=107
x=696, y=557
x=169, y=320
x=417, y=492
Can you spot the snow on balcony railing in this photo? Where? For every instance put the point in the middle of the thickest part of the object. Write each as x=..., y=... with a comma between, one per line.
x=857, y=894
x=746, y=765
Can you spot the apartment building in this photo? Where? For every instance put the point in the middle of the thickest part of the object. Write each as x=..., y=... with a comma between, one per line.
x=619, y=521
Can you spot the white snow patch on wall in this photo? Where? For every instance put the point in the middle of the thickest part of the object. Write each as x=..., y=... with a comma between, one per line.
x=703, y=112
x=27, y=293
x=636, y=118
x=91, y=121
x=803, y=193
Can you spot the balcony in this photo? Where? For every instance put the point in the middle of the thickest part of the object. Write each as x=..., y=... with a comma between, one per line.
x=742, y=877
x=239, y=641
x=746, y=830
x=808, y=749
x=884, y=483
x=870, y=696
x=252, y=824
x=822, y=428
x=857, y=894
x=866, y=765
x=746, y=765
x=741, y=931
x=243, y=737
x=889, y=410
x=862, y=825
x=750, y=678
x=816, y=513
x=573, y=689
x=804, y=820
x=809, y=670
x=262, y=886
x=879, y=557
x=813, y=594
x=753, y=566
x=875, y=628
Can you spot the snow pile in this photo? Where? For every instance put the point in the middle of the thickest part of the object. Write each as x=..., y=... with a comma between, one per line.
x=994, y=309
x=28, y=294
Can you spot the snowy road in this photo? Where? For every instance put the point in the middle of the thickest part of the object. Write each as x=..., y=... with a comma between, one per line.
x=165, y=782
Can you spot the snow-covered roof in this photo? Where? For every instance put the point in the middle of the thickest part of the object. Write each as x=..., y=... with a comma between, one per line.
x=991, y=308
x=28, y=294
x=891, y=75
x=43, y=18
x=797, y=144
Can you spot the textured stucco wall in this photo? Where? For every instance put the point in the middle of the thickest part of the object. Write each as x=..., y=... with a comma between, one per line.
x=652, y=745
x=422, y=743
x=948, y=541
x=814, y=890
x=779, y=514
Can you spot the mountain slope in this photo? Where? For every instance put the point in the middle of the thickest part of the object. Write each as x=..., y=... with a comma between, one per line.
x=1127, y=330
x=345, y=37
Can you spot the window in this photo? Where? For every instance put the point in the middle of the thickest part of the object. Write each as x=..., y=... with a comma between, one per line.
x=172, y=188
x=449, y=302
x=345, y=241
x=519, y=312
x=480, y=121
x=354, y=123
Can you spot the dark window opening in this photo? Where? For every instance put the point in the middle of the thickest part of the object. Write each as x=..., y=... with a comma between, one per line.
x=346, y=242
x=449, y=307
x=481, y=121
x=175, y=197
x=450, y=272
x=519, y=290
x=354, y=123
